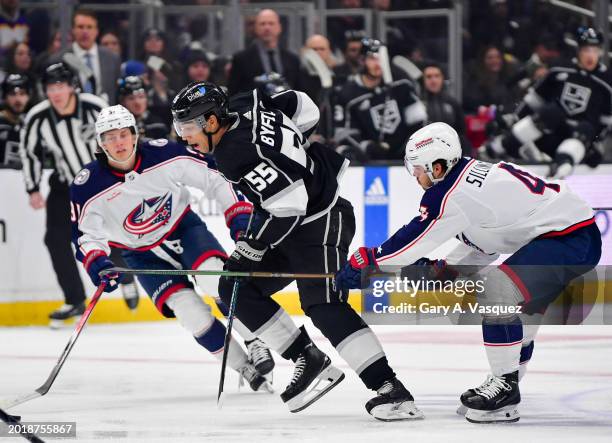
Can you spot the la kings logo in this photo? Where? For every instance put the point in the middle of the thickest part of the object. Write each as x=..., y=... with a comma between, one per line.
x=575, y=98
x=391, y=119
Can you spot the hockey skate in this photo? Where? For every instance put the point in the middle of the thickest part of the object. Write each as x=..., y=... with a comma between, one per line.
x=130, y=295
x=495, y=401
x=393, y=402
x=65, y=314
x=260, y=356
x=254, y=378
x=313, y=377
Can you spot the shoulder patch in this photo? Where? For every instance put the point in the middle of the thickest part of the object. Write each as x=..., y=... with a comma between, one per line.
x=160, y=142
x=82, y=177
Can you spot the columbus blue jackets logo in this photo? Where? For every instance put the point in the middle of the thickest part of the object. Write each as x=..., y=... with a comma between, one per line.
x=150, y=215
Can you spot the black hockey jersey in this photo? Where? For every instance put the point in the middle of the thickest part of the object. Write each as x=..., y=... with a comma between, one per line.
x=361, y=114
x=152, y=127
x=583, y=95
x=9, y=142
x=265, y=152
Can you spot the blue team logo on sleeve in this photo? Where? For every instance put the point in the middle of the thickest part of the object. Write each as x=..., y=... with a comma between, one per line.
x=150, y=215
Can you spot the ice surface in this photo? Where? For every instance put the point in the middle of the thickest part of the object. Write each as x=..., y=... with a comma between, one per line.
x=150, y=382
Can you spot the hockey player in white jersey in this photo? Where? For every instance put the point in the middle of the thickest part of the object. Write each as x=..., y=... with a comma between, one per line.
x=493, y=209
x=133, y=197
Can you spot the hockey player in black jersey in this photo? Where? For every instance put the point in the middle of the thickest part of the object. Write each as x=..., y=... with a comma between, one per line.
x=16, y=92
x=564, y=113
x=300, y=224
x=132, y=94
x=373, y=119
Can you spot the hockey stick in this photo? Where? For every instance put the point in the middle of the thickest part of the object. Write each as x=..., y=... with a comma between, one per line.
x=602, y=209
x=383, y=57
x=257, y=274
x=42, y=390
x=226, y=341
x=12, y=420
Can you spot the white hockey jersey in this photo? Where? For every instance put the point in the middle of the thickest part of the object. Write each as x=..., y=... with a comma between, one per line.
x=141, y=208
x=493, y=208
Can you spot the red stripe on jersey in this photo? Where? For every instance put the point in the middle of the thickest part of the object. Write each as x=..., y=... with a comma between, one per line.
x=516, y=280
x=504, y=344
x=569, y=229
x=159, y=303
x=208, y=254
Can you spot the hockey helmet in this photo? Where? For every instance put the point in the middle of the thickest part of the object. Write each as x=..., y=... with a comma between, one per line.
x=195, y=103
x=115, y=117
x=588, y=37
x=130, y=85
x=370, y=46
x=12, y=82
x=436, y=141
x=59, y=72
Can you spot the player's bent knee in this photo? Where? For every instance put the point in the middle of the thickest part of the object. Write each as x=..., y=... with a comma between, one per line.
x=501, y=291
x=209, y=284
x=191, y=311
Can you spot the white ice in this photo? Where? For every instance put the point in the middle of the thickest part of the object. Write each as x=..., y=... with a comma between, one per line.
x=151, y=382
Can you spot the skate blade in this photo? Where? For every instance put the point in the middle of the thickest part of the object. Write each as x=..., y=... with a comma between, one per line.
x=266, y=387
x=461, y=410
x=329, y=378
x=397, y=411
x=507, y=414
x=59, y=324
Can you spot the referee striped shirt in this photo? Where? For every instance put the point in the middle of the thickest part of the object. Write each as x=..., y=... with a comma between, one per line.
x=71, y=139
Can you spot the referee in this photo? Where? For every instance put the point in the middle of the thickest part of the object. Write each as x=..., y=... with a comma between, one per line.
x=60, y=129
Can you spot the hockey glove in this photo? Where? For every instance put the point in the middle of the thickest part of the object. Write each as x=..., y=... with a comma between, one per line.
x=237, y=218
x=349, y=276
x=247, y=255
x=436, y=269
x=97, y=265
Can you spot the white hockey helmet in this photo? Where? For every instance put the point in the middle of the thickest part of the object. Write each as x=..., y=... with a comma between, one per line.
x=115, y=117
x=436, y=141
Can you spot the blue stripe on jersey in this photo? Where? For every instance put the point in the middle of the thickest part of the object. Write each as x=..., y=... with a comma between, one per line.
x=430, y=209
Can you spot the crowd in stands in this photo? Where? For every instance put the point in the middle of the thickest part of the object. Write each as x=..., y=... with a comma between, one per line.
x=507, y=48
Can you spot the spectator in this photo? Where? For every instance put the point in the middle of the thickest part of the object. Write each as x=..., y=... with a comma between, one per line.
x=13, y=26
x=100, y=61
x=198, y=66
x=338, y=26
x=111, y=41
x=158, y=57
x=311, y=84
x=442, y=107
x=264, y=56
x=132, y=94
x=353, y=61
x=18, y=61
x=43, y=59
x=487, y=81
x=373, y=119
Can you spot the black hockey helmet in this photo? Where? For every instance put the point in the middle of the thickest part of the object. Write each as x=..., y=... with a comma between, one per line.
x=194, y=104
x=13, y=82
x=59, y=72
x=271, y=83
x=370, y=46
x=588, y=37
x=200, y=100
x=130, y=85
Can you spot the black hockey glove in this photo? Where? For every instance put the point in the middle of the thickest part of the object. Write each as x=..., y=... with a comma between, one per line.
x=246, y=256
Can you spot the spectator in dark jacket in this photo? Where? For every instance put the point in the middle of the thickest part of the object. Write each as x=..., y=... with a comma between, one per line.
x=264, y=56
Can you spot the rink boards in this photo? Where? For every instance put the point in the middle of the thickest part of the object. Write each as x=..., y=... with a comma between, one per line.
x=384, y=199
